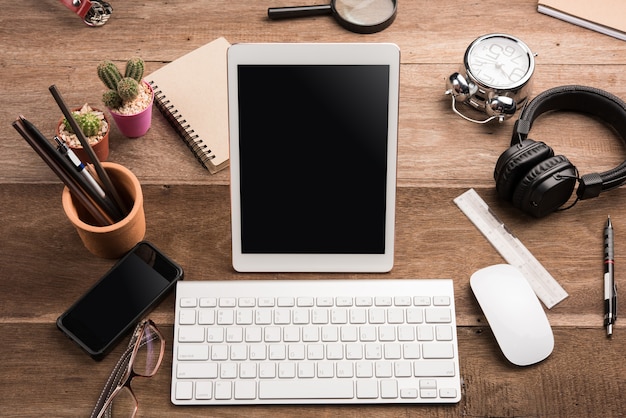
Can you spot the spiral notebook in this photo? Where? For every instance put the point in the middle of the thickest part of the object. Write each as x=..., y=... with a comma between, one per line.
x=191, y=92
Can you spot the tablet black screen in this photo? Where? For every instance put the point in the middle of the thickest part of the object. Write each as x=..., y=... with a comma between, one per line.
x=313, y=158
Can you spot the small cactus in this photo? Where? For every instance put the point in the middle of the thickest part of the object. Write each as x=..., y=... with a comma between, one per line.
x=134, y=69
x=109, y=74
x=128, y=89
x=111, y=99
x=89, y=123
x=122, y=89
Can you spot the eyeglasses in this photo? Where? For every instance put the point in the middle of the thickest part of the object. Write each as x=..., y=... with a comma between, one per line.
x=142, y=358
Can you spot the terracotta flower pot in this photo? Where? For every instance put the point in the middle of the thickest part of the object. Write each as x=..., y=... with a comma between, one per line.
x=101, y=148
x=135, y=125
x=111, y=241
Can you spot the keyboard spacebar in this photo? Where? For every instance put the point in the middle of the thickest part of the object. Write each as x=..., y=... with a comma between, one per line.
x=306, y=389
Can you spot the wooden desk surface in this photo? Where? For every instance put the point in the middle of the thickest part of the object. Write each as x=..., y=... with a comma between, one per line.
x=45, y=267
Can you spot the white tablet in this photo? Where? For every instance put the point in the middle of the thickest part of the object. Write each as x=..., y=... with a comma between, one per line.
x=313, y=149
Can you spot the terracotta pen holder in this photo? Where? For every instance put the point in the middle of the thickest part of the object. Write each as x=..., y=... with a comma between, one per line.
x=111, y=241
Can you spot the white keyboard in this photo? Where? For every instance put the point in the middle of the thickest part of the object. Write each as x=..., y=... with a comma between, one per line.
x=315, y=342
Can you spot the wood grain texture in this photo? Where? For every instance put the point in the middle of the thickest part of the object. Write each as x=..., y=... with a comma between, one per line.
x=45, y=267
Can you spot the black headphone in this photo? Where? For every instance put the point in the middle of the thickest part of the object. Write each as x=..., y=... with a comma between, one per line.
x=532, y=177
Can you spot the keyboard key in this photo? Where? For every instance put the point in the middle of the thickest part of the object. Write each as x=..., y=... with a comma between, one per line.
x=325, y=301
x=343, y=301
x=434, y=368
x=367, y=389
x=447, y=393
x=286, y=302
x=191, y=334
x=245, y=389
x=225, y=317
x=403, y=369
x=247, y=302
x=227, y=302
x=443, y=333
x=267, y=370
x=402, y=301
x=223, y=390
x=388, y=389
x=305, y=301
x=408, y=393
x=184, y=390
x=204, y=390
x=438, y=315
x=208, y=302
x=441, y=300
x=188, y=302
x=306, y=389
x=187, y=317
x=194, y=370
x=421, y=301
x=437, y=350
x=193, y=352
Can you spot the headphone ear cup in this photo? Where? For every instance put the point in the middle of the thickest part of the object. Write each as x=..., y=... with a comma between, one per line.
x=546, y=187
x=516, y=162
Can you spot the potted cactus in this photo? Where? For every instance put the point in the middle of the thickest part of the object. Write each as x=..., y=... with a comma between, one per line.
x=94, y=124
x=129, y=98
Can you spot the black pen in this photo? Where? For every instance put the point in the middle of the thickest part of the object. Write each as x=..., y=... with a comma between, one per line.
x=610, y=289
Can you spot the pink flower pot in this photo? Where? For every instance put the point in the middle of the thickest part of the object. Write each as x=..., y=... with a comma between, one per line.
x=136, y=125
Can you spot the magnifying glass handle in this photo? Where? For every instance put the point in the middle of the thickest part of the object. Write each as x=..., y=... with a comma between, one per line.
x=298, y=11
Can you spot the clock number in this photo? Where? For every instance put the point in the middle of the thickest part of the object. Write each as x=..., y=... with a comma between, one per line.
x=495, y=50
x=517, y=74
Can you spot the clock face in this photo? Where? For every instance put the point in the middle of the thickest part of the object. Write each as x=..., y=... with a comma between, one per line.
x=499, y=61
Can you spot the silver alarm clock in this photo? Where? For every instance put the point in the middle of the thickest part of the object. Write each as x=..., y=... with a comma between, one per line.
x=495, y=77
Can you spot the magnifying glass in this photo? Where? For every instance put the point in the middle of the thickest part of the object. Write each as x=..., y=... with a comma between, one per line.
x=360, y=16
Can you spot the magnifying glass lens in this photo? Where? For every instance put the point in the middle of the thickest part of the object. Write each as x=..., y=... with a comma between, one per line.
x=360, y=16
x=365, y=12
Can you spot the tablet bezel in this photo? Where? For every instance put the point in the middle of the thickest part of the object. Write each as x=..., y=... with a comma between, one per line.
x=313, y=54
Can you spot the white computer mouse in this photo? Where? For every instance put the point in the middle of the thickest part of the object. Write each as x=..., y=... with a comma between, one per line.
x=514, y=313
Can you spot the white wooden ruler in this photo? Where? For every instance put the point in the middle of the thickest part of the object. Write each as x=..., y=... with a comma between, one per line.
x=510, y=248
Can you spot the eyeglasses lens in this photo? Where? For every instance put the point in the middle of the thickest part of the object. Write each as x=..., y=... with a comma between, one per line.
x=124, y=404
x=148, y=355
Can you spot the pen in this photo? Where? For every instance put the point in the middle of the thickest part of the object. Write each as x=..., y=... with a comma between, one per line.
x=610, y=289
x=80, y=167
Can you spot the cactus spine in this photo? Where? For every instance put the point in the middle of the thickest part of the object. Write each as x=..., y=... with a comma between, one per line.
x=122, y=89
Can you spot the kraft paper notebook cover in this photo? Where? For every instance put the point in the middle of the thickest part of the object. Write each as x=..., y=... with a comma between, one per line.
x=191, y=92
x=604, y=16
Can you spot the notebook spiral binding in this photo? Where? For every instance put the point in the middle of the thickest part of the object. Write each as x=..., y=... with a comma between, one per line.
x=202, y=152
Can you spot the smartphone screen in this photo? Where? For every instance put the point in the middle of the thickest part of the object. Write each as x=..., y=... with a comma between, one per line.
x=123, y=295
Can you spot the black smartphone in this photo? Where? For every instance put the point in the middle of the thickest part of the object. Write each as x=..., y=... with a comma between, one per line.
x=114, y=305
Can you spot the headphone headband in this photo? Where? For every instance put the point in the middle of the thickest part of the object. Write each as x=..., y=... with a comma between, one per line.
x=606, y=106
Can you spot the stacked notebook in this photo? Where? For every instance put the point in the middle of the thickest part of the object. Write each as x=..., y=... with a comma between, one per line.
x=604, y=16
x=191, y=92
